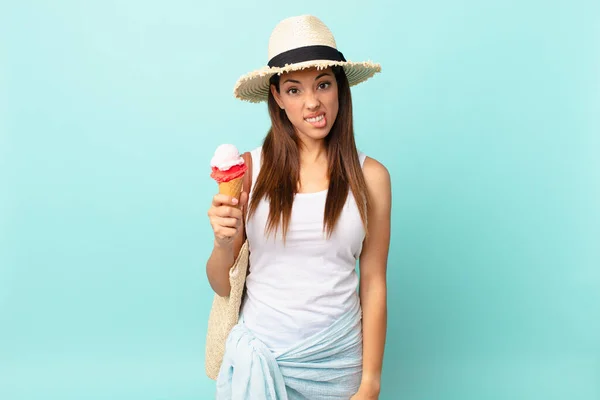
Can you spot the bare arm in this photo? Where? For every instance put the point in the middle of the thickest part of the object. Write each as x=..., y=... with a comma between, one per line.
x=373, y=266
x=228, y=226
x=227, y=220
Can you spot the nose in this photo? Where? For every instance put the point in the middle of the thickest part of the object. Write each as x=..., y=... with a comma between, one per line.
x=312, y=101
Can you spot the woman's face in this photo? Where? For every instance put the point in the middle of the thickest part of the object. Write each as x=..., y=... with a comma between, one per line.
x=310, y=100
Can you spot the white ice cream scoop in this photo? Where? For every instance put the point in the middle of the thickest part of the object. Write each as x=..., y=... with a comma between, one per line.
x=226, y=156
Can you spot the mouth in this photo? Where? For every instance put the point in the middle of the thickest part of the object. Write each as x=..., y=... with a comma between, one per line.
x=315, y=119
x=318, y=121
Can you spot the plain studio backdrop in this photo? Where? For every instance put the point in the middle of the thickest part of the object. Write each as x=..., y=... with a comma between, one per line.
x=486, y=115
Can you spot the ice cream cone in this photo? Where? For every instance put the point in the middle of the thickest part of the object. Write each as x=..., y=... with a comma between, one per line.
x=228, y=170
x=232, y=188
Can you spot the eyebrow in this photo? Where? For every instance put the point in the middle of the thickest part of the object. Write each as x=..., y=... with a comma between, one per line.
x=322, y=75
x=317, y=78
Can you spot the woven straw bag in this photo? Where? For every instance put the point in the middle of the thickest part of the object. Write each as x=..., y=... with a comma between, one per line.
x=224, y=313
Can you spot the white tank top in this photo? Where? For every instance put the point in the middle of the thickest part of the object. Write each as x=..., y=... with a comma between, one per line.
x=299, y=289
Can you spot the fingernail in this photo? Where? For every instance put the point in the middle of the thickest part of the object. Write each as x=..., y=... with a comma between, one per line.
x=234, y=200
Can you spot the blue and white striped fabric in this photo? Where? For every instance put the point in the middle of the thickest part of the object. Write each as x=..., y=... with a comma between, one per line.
x=327, y=365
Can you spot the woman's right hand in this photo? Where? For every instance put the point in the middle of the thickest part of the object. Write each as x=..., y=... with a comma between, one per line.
x=226, y=218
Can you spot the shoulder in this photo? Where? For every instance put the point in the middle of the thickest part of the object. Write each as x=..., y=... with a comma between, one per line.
x=256, y=150
x=376, y=175
x=255, y=154
x=252, y=160
x=252, y=155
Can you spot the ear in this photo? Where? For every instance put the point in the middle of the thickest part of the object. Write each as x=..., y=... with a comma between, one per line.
x=277, y=97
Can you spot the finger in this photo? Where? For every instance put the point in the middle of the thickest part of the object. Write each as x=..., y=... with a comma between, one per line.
x=223, y=199
x=225, y=222
x=226, y=211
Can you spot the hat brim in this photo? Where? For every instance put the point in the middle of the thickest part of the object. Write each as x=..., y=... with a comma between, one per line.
x=254, y=87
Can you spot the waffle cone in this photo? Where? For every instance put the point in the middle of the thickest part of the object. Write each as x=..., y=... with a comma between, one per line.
x=232, y=188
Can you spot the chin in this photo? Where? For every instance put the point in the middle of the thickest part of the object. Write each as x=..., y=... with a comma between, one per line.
x=315, y=133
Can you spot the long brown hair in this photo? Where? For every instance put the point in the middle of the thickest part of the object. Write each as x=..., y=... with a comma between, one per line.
x=280, y=170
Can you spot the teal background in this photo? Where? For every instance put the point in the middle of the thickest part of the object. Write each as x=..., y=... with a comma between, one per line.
x=486, y=115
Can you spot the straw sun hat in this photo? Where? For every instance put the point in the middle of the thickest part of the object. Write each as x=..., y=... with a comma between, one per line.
x=298, y=43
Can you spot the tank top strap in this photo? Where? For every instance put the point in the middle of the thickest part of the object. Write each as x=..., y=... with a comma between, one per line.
x=256, y=155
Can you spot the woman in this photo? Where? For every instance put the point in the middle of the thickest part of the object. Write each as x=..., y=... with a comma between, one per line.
x=315, y=206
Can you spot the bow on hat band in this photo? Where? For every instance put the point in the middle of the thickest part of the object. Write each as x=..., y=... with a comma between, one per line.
x=307, y=53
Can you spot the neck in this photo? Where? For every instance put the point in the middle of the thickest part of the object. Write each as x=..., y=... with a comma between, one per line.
x=312, y=151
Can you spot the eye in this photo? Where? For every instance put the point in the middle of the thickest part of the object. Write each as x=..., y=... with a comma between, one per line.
x=292, y=91
x=324, y=85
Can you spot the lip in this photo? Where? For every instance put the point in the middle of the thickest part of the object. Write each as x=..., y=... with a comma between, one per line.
x=314, y=115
